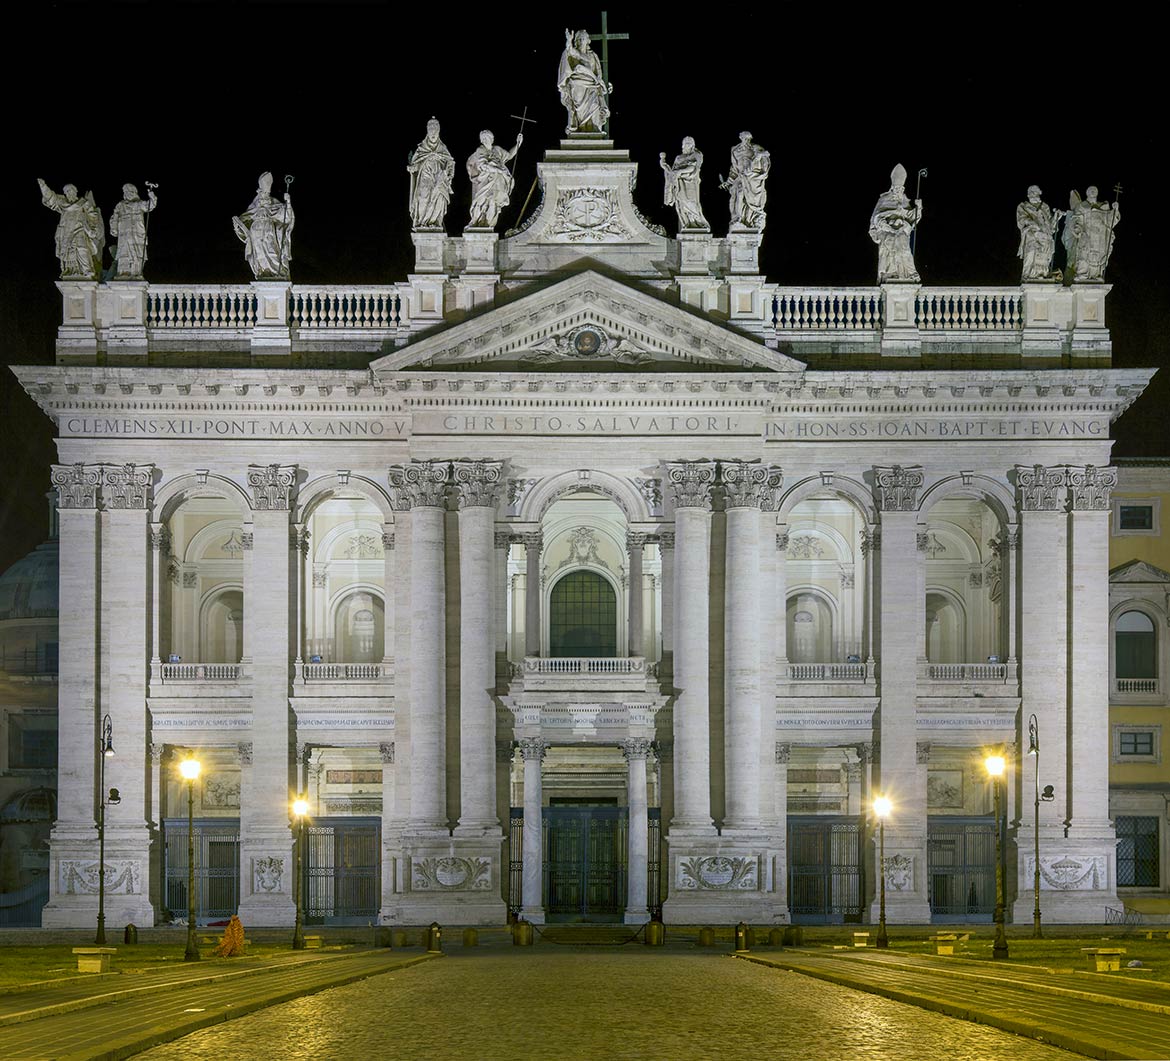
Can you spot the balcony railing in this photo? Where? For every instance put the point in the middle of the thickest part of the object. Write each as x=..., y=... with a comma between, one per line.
x=200, y=672
x=584, y=665
x=967, y=672
x=824, y=672
x=585, y=672
x=344, y=672
x=1142, y=686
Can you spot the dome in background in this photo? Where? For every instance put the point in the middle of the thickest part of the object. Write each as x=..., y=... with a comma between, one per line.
x=28, y=589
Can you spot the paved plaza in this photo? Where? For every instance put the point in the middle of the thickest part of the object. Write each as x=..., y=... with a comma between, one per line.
x=574, y=1002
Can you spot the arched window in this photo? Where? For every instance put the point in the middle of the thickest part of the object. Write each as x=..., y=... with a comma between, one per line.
x=583, y=616
x=1136, y=644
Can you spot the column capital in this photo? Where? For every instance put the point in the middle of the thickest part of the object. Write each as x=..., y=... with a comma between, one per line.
x=245, y=750
x=897, y=488
x=504, y=751
x=157, y=752
x=749, y=484
x=477, y=482
x=76, y=484
x=783, y=752
x=533, y=540
x=271, y=486
x=502, y=539
x=533, y=748
x=160, y=538
x=386, y=751
x=1089, y=488
x=690, y=483
x=388, y=540
x=127, y=486
x=1041, y=488
x=635, y=748
x=871, y=540
x=298, y=539
x=635, y=540
x=419, y=484
x=666, y=540
x=782, y=541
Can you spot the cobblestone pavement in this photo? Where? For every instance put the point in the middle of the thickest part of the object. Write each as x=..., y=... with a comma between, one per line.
x=578, y=1003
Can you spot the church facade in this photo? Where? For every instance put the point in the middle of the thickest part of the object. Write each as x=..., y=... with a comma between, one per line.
x=613, y=581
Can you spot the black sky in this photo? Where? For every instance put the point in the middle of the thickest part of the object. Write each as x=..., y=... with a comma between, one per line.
x=203, y=98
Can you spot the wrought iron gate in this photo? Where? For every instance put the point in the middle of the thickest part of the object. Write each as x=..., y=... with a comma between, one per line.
x=654, y=862
x=585, y=863
x=217, y=867
x=961, y=864
x=342, y=868
x=824, y=870
x=515, y=861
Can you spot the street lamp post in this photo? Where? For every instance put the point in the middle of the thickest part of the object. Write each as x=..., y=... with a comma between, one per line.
x=996, y=765
x=300, y=809
x=1046, y=796
x=189, y=768
x=105, y=751
x=882, y=807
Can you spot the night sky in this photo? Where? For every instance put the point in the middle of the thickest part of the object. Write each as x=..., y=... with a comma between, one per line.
x=202, y=99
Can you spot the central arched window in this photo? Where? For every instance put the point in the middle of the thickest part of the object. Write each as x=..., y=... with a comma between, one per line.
x=1136, y=646
x=583, y=616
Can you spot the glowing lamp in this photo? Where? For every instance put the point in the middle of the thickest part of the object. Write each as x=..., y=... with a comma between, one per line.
x=189, y=768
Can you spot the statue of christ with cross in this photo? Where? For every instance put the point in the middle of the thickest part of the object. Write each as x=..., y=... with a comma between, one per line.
x=583, y=80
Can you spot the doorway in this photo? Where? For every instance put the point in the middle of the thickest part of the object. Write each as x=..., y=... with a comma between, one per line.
x=585, y=861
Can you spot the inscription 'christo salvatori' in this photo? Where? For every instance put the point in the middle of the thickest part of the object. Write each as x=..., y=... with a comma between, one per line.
x=588, y=424
x=895, y=429
x=234, y=427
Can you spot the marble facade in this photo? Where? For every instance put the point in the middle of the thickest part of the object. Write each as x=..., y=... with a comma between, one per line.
x=295, y=569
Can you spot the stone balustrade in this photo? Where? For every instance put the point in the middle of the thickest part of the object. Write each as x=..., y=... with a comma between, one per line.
x=966, y=672
x=824, y=672
x=587, y=672
x=344, y=672
x=197, y=672
x=1142, y=686
x=134, y=318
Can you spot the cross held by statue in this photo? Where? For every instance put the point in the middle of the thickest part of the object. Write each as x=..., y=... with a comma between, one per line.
x=605, y=37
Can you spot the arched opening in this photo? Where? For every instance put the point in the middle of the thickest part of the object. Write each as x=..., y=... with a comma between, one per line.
x=810, y=629
x=945, y=629
x=583, y=616
x=1136, y=646
x=222, y=629
x=359, y=623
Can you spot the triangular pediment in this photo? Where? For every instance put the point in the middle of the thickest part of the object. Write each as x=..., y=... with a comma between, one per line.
x=1138, y=571
x=585, y=322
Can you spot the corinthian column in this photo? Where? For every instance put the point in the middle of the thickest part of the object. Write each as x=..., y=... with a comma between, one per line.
x=532, y=546
x=743, y=484
x=478, y=486
x=637, y=911
x=635, y=544
x=690, y=486
x=422, y=487
x=532, y=905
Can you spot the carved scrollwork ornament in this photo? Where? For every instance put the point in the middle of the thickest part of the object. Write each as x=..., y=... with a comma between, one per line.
x=76, y=484
x=898, y=487
x=532, y=541
x=127, y=486
x=744, y=483
x=160, y=539
x=271, y=486
x=635, y=541
x=690, y=483
x=1041, y=488
x=1090, y=488
x=388, y=541
x=419, y=484
x=478, y=482
x=635, y=748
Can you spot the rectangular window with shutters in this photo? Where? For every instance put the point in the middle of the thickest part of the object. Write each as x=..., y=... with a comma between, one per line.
x=1137, y=851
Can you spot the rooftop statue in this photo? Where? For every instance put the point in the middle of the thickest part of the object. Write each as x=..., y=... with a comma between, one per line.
x=1088, y=236
x=583, y=90
x=682, y=186
x=128, y=232
x=890, y=227
x=491, y=182
x=1037, y=223
x=81, y=235
x=750, y=165
x=431, y=168
x=265, y=229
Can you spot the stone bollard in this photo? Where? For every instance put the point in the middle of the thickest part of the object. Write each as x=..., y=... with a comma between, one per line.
x=706, y=937
x=776, y=938
x=655, y=934
x=130, y=934
x=470, y=937
x=793, y=936
x=434, y=938
x=740, y=942
x=522, y=934
x=398, y=939
x=750, y=937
